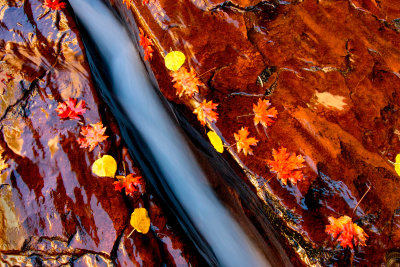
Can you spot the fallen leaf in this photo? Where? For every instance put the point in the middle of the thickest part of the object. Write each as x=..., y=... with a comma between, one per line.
x=216, y=141
x=186, y=82
x=55, y=4
x=397, y=164
x=53, y=145
x=94, y=134
x=346, y=232
x=174, y=60
x=127, y=3
x=206, y=111
x=243, y=142
x=286, y=166
x=69, y=109
x=130, y=183
x=140, y=220
x=146, y=44
x=262, y=114
x=106, y=166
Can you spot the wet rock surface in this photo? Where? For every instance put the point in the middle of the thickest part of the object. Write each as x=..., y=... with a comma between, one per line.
x=332, y=70
x=53, y=210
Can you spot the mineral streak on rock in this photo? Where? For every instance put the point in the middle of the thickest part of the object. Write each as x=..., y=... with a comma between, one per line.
x=336, y=84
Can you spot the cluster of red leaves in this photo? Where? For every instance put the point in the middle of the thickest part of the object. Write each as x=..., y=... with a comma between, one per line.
x=243, y=142
x=145, y=2
x=346, y=232
x=55, y=4
x=186, y=82
x=130, y=183
x=262, y=114
x=286, y=165
x=206, y=111
x=93, y=134
x=147, y=44
x=70, y=109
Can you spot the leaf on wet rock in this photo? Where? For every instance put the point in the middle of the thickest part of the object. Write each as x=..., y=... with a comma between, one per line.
x=55, y=4
x=174, y=60
x=93, y=134
x=216, y=141
x=106, y=166
x=243, y=142
x=205, y=111
x=397, y=164
x=186, y=82
x=346, y=232
x=262, y=114
x=140, y=220
x=70, y=109
x=286, y=165
x=131, y=183
x=146, y=44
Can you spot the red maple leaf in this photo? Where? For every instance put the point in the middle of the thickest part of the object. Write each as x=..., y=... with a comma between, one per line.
x=262, y=114
x=186, y=82
x=206, y=111
x=147, y=44
x=130, y=183
x=243, y=142
x=55, y=4
x=145, y=2
x=346, y=232
x=286, y=166
x=70, y=109
x=93, y=135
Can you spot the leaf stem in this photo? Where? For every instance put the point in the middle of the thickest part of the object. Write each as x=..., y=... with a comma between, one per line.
x=207, y=71
x=131, y=233
x=246, y=115
x=369, y=187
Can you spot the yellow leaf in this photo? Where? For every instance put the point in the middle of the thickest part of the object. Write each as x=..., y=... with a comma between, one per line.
x=106, y=166
x=397, y=164
x=216, y=141
x=174, y=60
x=140, y=220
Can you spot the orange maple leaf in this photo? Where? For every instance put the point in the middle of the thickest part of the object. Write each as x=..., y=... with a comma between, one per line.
x=127, y=3
x=130, y=183
x=206, y=111
x=286, y=166
x=346, y=232
x=147, y=44
x=186, y=82
x=243, y=142
x=94, y=134
x=262, y=114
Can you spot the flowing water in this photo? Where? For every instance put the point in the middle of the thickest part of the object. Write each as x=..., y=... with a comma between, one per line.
x=165, y=156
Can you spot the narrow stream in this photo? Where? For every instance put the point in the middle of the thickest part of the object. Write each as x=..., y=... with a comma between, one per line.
x=160, y=148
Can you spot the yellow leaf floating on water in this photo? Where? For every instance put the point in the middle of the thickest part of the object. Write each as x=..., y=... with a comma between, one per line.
x=140, y=220
x=106, y=166
x=216, y=141
x=397, y=164
x=174, y=60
